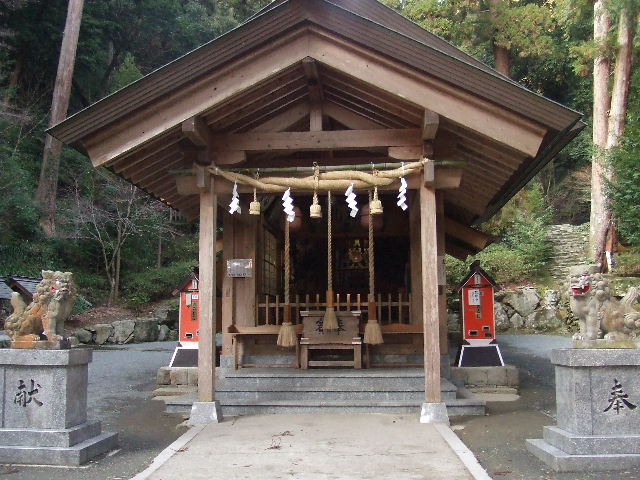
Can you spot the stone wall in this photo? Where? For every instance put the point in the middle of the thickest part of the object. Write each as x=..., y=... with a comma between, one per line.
x=131, y=330
x=570, y=247
x=527, y=309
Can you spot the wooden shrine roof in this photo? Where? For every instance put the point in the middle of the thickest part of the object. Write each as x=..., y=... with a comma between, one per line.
x=367, y=66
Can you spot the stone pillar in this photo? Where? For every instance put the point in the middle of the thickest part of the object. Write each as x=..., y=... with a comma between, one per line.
x=43, y=408
x=598, y=411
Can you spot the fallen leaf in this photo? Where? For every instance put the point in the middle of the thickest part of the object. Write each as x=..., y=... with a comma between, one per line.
x=505, y=472
x=275, y=444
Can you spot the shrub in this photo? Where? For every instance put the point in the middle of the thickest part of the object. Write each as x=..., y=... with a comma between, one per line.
x=152, y=284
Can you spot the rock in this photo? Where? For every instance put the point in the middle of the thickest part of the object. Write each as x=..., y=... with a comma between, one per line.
x=163, y=332
x=164, y=377
x=552, y=298
x=173, y=335
x=103, y=333
x=83, y=335
x=524, y=301
x=73, y=341
x=146, y=330
x=453, y=322
x=517, y=321
x=5, y=341
x=501, y=317
x=621, y=285
x=545, y=319
x=579, y=269
x=123, y=330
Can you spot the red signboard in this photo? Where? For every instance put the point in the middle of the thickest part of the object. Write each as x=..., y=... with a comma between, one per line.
x=189, y=312
x=477, y=309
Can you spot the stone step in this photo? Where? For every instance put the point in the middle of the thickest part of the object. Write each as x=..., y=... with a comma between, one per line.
x=246, y=407
x=305, y=394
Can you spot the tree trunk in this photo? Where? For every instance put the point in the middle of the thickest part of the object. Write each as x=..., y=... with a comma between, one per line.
x=502, y=59
x=621, y=80
x=600, y=213
x=501, y=55
x=616, y=122
x=14, y=78
x=159, y=255
x=48, y=183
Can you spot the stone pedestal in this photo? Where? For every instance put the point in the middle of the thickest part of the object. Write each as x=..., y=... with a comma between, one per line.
x=598, y=411
x=43, y=409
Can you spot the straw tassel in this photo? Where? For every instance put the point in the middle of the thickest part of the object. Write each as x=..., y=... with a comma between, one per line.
x=372, y=331
x=287, y=336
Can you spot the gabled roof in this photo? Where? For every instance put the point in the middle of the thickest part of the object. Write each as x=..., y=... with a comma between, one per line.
x=26, y=286
x=5, y=291
x=474, y=268
x=255, y=74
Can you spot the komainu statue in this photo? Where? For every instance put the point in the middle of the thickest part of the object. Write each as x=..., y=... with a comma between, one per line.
x=600, y=315
x=41, y=323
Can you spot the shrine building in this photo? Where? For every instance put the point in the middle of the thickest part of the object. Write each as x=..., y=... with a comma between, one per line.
x=278, y=121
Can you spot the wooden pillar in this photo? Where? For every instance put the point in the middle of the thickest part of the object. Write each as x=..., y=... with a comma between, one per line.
x=430, y=317
x=228, y=237
x=244, y=290
x=442, y=276
x=415, y=258
x=206, y=344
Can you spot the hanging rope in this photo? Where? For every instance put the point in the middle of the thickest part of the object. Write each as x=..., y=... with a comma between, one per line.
x=329, y=247
x=324, y=181
x=372, y=332
x=287, y=262
x=287, y=335
x=372, y=270
x=330, y=321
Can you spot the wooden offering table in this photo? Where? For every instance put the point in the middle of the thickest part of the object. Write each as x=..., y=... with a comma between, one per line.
x=345, y=338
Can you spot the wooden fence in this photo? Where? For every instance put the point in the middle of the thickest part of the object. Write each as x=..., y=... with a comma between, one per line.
x=391, y=308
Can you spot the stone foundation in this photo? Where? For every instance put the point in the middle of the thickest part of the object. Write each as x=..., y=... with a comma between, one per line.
x=43, y=413
x=598, y=400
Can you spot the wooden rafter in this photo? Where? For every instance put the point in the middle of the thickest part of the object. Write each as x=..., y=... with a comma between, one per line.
x=331, y=140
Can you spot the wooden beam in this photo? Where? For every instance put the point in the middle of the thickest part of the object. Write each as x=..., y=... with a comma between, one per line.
x=448, y=178
x=413, y=153
x=207, y=284
x=348, y=118
x=334, y=140
x=461, y=107
x=415, y=257
x=442, y=275
x=457, y=251
x=228, y=157
x=227, y=283
x=430, y=123
x=197, y=132
x=314, y=87
x=468, y=235
x=430, y=318
x=284, y=120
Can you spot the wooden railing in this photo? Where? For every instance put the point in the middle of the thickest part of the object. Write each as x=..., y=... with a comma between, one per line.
x=391, y=308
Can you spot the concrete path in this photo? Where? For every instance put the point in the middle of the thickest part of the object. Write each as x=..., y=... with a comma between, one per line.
x=314, y=447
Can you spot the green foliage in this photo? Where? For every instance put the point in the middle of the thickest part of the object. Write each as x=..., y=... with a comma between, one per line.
x=521, y=250
x=153, y=284
x=126, y=73
x=624, y=192
x=628, y=263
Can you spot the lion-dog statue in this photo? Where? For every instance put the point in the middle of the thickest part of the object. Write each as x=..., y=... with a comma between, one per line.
x=599, y=314
x=43, y=319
